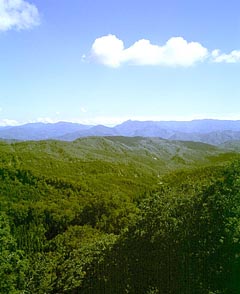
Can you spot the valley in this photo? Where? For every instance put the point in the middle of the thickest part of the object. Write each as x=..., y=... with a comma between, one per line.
x=88, y=216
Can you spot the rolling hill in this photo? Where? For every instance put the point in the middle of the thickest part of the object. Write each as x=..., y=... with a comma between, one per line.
x=153, y=155
x=76, y=216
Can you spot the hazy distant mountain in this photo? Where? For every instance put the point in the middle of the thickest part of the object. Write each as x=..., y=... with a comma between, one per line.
x=40, y=131
x=99, y=130
x=129, y=128
x=214, y=138
x=231, y=145
x=207, y=131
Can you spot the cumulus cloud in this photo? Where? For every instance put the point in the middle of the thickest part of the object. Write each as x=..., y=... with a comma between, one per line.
x=232, y=57
x=110, y=51
x=18, y=14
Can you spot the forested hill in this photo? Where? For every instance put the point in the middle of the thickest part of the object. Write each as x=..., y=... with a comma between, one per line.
x=153, y=153
x=118, y=215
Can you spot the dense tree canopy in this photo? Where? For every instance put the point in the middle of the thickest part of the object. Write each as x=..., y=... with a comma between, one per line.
x=69, y=225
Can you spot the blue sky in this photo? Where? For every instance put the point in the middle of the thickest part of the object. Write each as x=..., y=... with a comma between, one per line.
x=108, y=61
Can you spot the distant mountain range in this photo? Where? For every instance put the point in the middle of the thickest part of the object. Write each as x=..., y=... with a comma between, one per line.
x=215, y=132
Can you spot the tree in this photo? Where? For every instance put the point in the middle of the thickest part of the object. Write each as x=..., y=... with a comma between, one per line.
x=12, y=263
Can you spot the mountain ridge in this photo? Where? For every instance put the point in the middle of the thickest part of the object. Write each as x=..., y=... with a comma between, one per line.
x=210, y=131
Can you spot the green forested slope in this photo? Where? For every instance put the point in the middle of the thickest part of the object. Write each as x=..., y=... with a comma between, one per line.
x=118, y=215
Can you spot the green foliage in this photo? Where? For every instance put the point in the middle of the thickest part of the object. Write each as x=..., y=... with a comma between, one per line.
x=182, y=242
x=12, y=263
x=71, y=261
x=118, y=215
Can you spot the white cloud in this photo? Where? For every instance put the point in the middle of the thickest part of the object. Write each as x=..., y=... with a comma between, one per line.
x=18, y=14
x=232, y=57
x=8, y=122
x=46, y=120
x=110, y=51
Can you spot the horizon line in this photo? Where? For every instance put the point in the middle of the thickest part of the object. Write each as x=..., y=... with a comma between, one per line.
x=94, y=122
